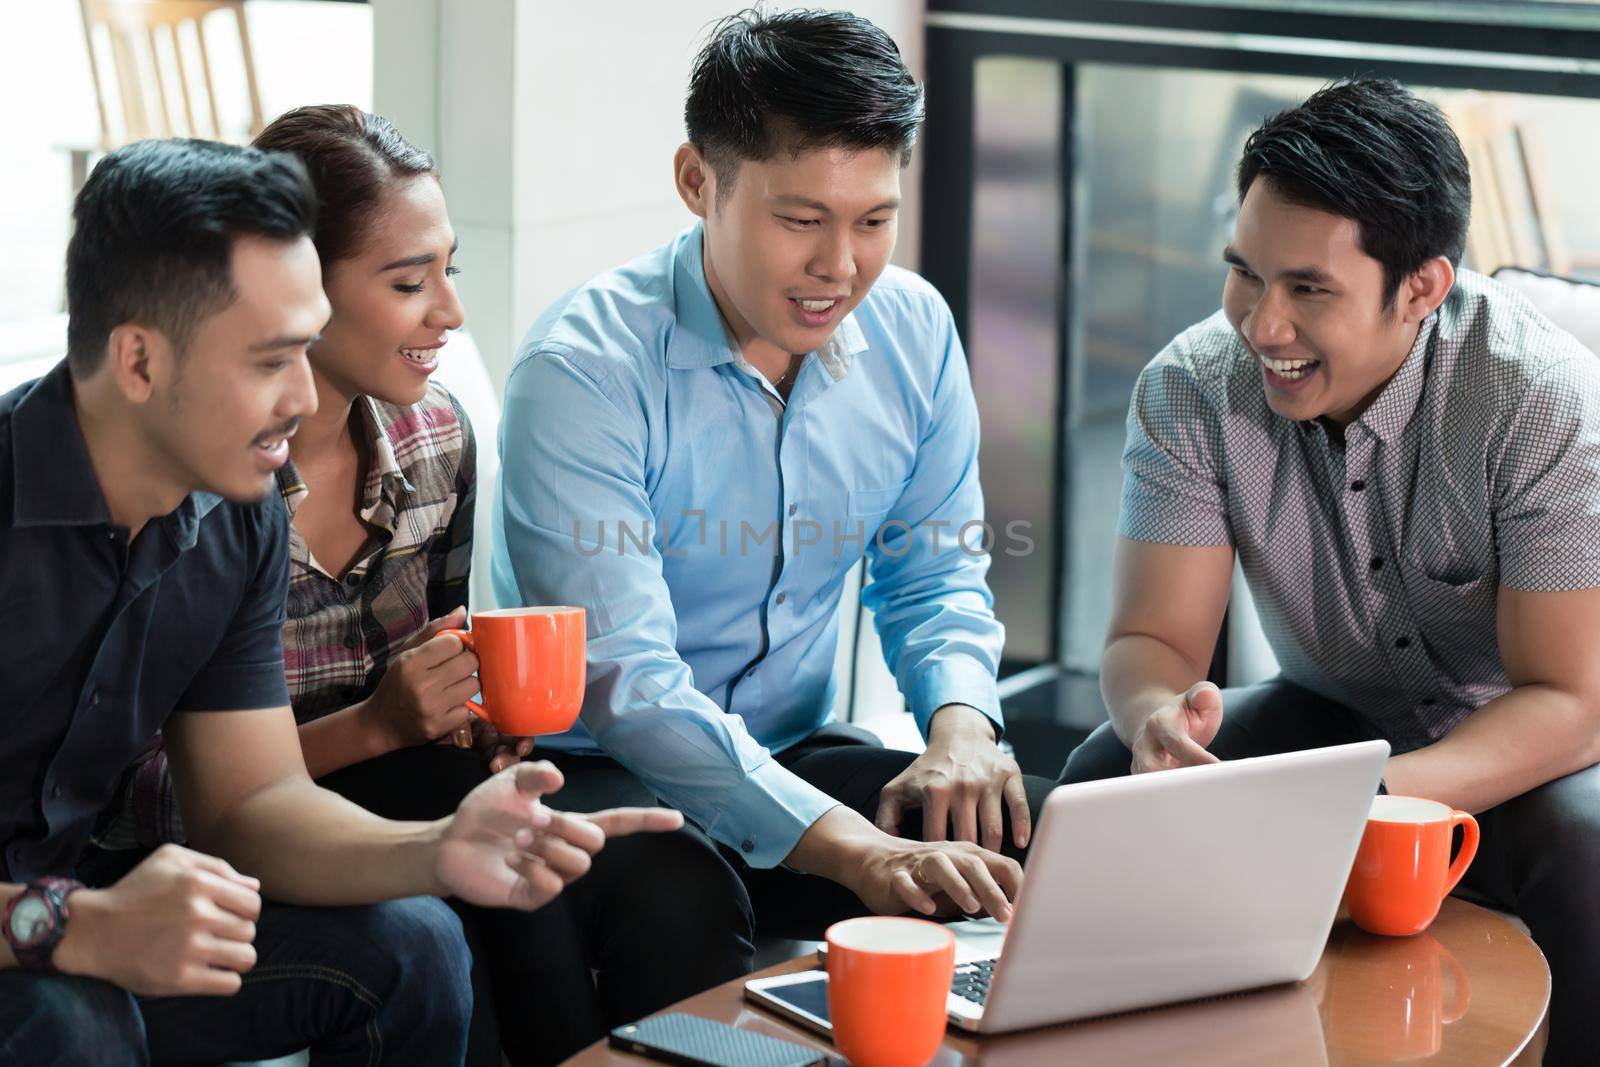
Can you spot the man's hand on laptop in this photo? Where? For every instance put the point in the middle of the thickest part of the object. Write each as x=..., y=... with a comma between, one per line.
x=930, y=876
x=1175, y=734
x=893, y=875
x=961, y=783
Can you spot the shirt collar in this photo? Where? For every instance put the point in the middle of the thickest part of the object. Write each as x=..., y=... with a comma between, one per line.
x=54, y=478
x=184, y=523
x=55, y=482
x=1386, y=417
x=700, y=338
x=385, y=478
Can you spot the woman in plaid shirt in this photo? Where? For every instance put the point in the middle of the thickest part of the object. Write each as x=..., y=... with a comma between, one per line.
x=380, y=487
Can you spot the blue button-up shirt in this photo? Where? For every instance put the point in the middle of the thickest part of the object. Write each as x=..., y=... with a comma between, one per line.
x=652, y=477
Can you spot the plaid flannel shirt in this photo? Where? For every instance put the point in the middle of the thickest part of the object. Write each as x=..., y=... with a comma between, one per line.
x=342, y=631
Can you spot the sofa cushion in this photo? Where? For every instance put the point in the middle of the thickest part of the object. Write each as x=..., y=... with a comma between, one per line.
x=1570, y=303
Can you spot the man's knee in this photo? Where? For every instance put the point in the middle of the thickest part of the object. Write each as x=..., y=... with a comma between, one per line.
x=691, y=894
x=1101, y=755
x=400, y=948
x=424, y=941
x=1557, y=827
x=51, y=1019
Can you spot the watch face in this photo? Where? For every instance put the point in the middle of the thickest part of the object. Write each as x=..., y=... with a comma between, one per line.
x=30, y=921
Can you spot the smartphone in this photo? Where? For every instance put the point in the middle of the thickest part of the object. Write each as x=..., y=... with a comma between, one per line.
x=801, y=998
x=689, y=1039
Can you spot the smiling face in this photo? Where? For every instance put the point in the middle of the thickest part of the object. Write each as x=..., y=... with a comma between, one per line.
x=797, y=242
x=223, y=409
x=1309, y=305
x=394, y=301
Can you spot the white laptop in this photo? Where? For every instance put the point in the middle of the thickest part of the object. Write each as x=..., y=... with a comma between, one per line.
x=1158, y=888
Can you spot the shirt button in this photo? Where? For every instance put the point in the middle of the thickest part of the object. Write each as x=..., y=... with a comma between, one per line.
x=781, y=598
x=352, y=581
x=349, y=642
x=1402, y=642
x=793, y=508
x=749, y=844
x=1357, y=485
x=1377, y=563
x=55, y=792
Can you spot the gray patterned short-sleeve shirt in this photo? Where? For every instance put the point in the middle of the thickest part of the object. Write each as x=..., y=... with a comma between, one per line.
x=1376, y=567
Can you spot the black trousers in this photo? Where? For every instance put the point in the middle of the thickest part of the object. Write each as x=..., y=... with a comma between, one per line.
x=845, y=762
x=1539, y=854
x=657, y=918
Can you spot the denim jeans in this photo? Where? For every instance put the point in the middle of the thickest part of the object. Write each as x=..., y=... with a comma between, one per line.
x=379, y=984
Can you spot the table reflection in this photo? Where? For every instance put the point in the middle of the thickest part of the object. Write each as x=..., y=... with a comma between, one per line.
x=1389, y=999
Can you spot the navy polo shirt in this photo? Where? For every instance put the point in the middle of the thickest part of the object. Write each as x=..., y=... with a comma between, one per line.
x=101, y=640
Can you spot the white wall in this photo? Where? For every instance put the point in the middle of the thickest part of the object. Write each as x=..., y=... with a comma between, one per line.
x=555, y=125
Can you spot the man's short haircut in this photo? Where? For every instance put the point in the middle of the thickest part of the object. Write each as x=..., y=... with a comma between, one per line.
x=153, y=233
x=1369, y=150
x=798, y=80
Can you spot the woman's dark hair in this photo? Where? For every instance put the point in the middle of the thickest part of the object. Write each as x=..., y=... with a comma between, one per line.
x=153, y=233
x=1371, y=151
x=351, y=156
x=796, y=80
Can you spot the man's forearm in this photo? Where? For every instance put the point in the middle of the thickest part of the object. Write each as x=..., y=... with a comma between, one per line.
x=955, y=720
x=1517, y=742
x=309, y=845
x=832, y=845
x=1138, y=674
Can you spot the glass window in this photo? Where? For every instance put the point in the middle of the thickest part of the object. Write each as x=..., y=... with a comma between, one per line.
x=1013, y=340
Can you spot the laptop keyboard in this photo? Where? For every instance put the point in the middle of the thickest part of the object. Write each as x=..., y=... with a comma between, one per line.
x=972, y=980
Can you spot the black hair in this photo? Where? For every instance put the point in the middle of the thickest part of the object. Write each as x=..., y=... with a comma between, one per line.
x=153, y=232
x=797, y=80
x=1370, y=151
x=351, y=156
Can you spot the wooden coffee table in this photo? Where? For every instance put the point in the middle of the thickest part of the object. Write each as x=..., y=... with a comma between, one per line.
x=1471, y=990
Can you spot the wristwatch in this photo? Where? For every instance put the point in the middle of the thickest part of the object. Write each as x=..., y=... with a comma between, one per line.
x=36, y=920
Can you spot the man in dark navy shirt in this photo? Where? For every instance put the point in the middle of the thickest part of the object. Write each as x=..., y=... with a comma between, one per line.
x=143, y=563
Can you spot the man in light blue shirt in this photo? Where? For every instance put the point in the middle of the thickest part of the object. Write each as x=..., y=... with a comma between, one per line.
x=697, y=448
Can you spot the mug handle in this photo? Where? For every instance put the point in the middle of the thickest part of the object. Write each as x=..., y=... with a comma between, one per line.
x=1461, y=987
x=467, y=642
x=1469, y=848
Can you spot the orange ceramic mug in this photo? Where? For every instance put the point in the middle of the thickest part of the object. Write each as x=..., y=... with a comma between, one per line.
x=888, y=984
x=1403, y=871
x=530, y=668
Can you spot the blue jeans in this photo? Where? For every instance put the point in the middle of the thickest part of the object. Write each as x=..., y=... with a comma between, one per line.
x=381, y=984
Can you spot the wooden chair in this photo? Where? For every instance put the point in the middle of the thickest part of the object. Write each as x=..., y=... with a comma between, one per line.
x=151, y=65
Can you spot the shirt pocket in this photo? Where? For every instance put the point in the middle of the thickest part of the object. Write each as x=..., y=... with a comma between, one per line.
x=873, y=503
x=1457, y=617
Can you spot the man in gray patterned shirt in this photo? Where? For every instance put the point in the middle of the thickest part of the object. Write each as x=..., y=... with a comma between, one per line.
x=1406, y=459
